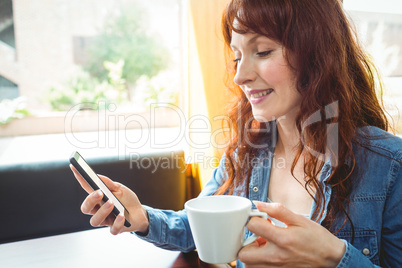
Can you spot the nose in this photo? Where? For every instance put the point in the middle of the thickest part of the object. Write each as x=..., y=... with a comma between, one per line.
x=245, y=72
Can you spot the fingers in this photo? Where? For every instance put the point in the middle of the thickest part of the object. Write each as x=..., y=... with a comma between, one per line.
x=101, y=216
x=81, y=180
x=92, y=204
x=253, y=254
x=113, y=186
x=266, y=229
x=279, y=212
x=91, y=201
x=118, y=225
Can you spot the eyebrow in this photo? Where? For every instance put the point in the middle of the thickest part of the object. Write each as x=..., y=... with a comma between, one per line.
x=251, y=41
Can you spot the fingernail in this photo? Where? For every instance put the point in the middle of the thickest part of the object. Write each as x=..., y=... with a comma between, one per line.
x=98, y=193
x=261, y=204
x=109, y=204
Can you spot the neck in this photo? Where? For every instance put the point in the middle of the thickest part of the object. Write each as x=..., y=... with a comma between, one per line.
x=288, y=138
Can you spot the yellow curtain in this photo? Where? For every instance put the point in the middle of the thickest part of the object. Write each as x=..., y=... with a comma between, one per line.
x=206, y=96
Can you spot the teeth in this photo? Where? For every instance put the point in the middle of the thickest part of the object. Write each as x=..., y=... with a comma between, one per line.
x=263, y=93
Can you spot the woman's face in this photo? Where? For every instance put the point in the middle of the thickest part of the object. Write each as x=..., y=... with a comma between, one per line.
x=265, y=77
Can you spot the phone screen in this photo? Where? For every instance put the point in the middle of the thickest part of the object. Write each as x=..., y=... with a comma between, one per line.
x=96, y=183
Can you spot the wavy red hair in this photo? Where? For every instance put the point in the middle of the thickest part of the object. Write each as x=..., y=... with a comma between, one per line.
x=330, y=67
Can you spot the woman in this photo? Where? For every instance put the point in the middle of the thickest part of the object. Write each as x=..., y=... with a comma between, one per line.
x=310, y=136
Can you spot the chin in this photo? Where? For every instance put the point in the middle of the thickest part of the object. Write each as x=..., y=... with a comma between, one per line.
x=263, y=118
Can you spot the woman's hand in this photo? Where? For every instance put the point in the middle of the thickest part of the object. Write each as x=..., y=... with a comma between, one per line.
x=101, y=213
x=303, y=243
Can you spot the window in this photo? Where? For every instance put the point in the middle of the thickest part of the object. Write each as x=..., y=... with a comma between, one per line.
x=8, y=89
x=120, y=56
x=379, y=26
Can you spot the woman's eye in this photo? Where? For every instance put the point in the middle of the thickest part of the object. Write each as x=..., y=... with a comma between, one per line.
x=264, y=53
x=236, y=60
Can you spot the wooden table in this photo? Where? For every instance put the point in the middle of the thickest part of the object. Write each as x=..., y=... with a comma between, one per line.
x=93, y=248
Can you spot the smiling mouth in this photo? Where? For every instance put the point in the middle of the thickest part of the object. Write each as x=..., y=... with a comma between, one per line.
x=261, y=93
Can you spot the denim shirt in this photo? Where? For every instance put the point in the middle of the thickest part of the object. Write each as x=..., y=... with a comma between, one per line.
x=375, y=210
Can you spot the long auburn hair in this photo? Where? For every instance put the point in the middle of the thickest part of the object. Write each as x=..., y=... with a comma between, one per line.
x=330, y=67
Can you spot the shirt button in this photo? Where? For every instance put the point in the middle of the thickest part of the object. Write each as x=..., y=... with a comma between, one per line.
x=255, y=189
x=366, y=251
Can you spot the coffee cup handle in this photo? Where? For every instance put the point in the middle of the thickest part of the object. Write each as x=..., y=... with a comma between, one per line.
x=253, y=237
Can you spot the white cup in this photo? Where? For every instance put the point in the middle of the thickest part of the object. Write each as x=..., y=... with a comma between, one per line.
x=218, y=224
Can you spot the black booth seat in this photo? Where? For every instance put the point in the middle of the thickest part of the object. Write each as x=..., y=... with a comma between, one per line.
x=43, y=198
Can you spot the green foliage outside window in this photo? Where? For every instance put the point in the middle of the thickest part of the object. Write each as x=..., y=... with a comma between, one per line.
x=127, y=38
x=123, y=52
x=87, y=91
x=12, y=109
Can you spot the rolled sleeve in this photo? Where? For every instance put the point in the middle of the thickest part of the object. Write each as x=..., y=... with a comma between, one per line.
x=168, y=229
x=354, y=258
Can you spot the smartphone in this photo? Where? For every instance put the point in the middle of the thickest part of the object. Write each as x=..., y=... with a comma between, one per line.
x=96, y=183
